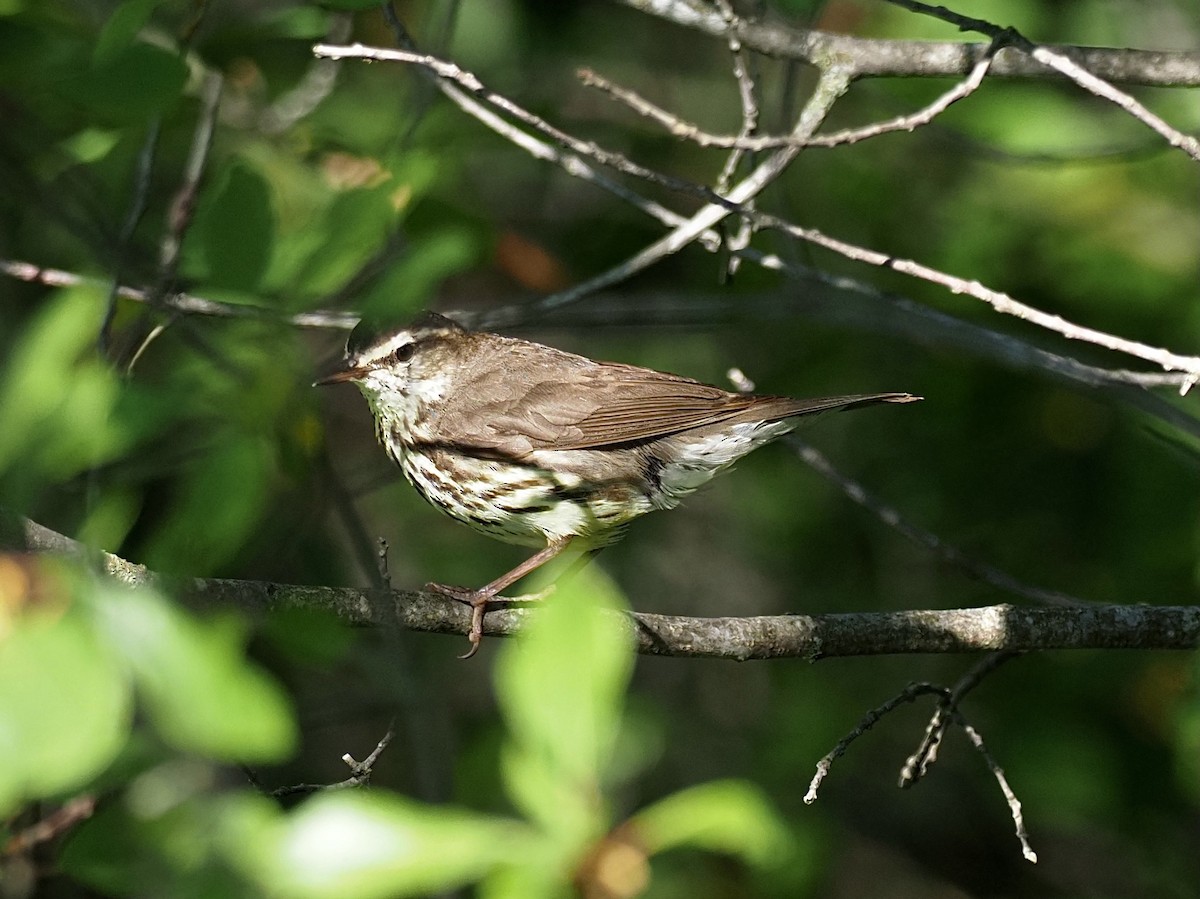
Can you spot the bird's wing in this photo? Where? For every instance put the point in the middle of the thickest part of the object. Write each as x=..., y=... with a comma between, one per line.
x=595, y=405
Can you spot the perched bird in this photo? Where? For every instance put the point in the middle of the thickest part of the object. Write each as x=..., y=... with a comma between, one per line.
x=533, y=445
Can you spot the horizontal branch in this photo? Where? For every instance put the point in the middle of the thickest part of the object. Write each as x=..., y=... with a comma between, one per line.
x=179, y=302
x=812, y=637
x=873, y=57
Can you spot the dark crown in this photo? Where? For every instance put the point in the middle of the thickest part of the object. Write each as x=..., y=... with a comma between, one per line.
x=369, y=332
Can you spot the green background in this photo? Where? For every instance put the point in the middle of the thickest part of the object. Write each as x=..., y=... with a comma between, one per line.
x=210, y=455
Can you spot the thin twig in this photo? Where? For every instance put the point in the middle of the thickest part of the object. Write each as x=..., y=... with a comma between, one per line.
x=737, y=236
x=907, y=695
x=1065, y=66
x=183, y=205
x=182, y=209
x=833, y=82
x=679, y=127
x=571, y=163
x=470, y=83
x=182, y=302
x=947, y=713
x=52, y=826
x=875, y=57
x=918, y=764
x=137, y=208
x=360, y=773
x=1000, y=302
x=1014, y=804
x=950, y=554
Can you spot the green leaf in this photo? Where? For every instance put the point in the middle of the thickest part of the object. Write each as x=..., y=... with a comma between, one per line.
x=122, y=27
x=167, y=838
x=560, y=688
x=65, y=702
x=219, y=503
x=351, y=4
x=236, y=225
x=728, y=816
x=355, y=227
x=203, y=696
x=305, y=22
x=358, y=845
x=130, y=85
x=90, y=144
x=409, y=284
x=56, y=399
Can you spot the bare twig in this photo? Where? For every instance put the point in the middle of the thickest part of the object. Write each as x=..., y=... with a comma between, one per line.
x=737, y=235
x=470, y=83
x=947, y=713
x=182, y=209
x=1000, y=302
x=833, y=82
x=360, y=773
x=52, y=826
x=1064, y=65
x=182, y=302
x=907, y=695
x=918, y=764
x=872, y=58
x=691, y=132
x=183, y=205
x=1014, y=804
x=570, y=162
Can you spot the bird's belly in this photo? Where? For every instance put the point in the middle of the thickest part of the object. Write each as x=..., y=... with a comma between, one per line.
x=522, y=503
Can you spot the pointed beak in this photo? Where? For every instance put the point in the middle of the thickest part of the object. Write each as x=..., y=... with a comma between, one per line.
x=340, y=376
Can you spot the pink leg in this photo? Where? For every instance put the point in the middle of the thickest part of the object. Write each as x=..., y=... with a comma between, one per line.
x=478, y=599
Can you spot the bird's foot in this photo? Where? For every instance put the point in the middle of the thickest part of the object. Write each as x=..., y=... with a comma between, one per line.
x=479, y=600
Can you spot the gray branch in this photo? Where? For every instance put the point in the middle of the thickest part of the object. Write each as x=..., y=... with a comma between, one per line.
x=988, y=629
x=868, y=57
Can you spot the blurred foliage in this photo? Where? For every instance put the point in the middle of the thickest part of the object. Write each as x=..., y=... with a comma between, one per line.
x=76, y=652
x=194, y=444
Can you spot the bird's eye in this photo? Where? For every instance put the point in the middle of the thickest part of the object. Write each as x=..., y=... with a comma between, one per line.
x=404, y=353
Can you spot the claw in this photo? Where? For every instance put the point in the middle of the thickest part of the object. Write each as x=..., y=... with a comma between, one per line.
x=475, y=634
x=478, y=600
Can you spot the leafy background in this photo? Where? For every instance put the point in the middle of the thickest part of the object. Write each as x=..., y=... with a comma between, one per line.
x=211, y=456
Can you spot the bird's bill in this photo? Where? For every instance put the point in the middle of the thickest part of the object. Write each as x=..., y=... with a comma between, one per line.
x=340, y=376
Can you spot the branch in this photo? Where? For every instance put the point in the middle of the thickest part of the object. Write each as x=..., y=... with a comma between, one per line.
x=903, y=58
x=689, y=131
x=833, y=81
x=1065, y=66
x=180, y=302
x=811, y=637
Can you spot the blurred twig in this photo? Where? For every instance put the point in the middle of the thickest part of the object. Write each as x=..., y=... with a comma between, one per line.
x=182, y=302
x=951, y=555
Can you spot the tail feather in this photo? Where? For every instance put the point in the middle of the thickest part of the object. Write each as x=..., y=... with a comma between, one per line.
x=785, y=407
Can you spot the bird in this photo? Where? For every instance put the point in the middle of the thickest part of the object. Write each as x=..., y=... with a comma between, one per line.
x=536, y=446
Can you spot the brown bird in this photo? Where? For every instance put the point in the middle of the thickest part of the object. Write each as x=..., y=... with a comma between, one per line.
x=533, y=445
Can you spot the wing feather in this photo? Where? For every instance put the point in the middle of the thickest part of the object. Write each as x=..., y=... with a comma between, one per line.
x=572, y=402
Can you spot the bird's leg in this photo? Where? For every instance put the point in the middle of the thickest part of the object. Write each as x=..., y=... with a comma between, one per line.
x=478, y=599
